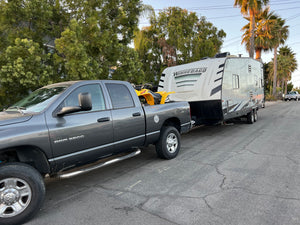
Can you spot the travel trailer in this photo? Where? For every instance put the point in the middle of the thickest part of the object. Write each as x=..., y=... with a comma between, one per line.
x=218, y=89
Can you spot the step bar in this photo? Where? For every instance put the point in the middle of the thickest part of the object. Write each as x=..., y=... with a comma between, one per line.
x=98, y=165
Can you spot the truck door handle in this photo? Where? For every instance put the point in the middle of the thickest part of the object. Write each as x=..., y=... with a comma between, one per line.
x=104, y=119
x=136, y=114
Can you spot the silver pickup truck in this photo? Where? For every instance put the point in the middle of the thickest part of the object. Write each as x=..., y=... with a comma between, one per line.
x=292, y=95
x=59, y=129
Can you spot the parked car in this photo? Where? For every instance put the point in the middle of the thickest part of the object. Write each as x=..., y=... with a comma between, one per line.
x=67, y=125
x=292, y=95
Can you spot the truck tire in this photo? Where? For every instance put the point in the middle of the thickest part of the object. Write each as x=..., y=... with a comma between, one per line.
x=250, y=117
x=168, y=144
x=22, y=191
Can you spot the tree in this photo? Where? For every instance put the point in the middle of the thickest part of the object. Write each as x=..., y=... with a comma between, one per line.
x=75, y=39
x=280, y=33
x=23, y=68
x=73, y=54
x=286, y=65
x=129, y=67
x=251, y=8
x=264, y=22
x=174, y=37
x=95, y=39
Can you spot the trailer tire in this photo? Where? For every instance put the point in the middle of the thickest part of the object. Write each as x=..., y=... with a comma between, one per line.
x=168, y=144
x=22, y=191
x=250, y=117
x=255, y=115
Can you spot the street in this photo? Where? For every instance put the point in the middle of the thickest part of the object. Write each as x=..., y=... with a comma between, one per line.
x=236, y=174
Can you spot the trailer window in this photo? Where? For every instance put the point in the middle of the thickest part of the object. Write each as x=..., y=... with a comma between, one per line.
x=235, y=81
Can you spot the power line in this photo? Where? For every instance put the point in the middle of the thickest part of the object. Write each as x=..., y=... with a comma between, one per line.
x=234, y=38
x=295, y=43
x=293, y=17
x=222, y=17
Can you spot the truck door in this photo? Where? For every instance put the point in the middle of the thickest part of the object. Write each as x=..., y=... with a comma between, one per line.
x=128, y=118
x=82, y=136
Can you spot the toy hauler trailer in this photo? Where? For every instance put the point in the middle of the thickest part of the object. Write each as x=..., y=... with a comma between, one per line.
x=218, y=89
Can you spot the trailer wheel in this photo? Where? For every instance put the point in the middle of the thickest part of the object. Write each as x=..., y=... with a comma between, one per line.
x=168, y=144
x=22, y=192
x=255, y=115
x=250, y=117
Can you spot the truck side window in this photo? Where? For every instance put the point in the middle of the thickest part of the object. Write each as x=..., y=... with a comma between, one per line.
x=98, y=102
x=120, y=96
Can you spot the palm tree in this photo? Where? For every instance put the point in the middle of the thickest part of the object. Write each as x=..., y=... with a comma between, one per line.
x=264, y=21
x=286, y=65
x=290, y=62
x=251, y=8
x=280, y=33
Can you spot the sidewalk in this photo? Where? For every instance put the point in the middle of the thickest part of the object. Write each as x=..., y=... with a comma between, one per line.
x=269, y=103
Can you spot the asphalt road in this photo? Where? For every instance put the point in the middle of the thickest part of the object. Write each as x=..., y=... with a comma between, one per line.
x=231, y=174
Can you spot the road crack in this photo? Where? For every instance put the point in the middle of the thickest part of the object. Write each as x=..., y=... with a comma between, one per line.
x=263, y=194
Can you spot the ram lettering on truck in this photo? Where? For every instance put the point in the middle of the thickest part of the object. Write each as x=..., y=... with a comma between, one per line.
x=61, y=127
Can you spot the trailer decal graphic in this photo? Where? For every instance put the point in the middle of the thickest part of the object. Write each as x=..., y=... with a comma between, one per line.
x=219, y=79
x=193, y=71
x=185, y=81
x=227, y=109
x=183, y=85
x=216, y=90
x=237, y=107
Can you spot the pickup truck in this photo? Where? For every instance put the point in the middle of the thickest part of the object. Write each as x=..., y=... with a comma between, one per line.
x=69, y=128
x=292, y=95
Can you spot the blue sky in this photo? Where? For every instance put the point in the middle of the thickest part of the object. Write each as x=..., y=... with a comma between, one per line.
x=224, y=16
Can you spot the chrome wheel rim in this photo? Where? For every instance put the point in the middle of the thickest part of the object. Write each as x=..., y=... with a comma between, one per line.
x=15, y=196
x=172, y=143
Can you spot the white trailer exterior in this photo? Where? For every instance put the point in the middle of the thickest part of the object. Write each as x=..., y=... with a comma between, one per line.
x=217, y=89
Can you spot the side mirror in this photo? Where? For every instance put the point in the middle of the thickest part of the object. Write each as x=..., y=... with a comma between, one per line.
x=85, y=104
x=85, y=101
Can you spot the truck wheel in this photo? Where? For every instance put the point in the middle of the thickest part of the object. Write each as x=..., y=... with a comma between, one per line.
x=22, y=192
x=250, y=117
x=168, y=144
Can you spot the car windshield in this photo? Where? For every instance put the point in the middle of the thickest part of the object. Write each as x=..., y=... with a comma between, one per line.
x=38, y=100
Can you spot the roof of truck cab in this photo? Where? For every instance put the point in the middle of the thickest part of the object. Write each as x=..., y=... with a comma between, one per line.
x=66, y=83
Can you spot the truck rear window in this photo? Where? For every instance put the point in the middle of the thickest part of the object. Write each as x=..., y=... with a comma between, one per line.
x=120, y=96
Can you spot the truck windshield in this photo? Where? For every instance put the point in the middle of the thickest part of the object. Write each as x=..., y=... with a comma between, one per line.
x=38, y=100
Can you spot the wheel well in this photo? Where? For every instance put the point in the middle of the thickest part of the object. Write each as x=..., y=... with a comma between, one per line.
x=175, y=122
x=30, y=155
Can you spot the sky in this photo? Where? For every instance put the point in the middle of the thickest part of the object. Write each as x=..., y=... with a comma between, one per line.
x=224, y=16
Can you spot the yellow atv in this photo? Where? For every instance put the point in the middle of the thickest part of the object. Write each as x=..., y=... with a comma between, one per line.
x=153, y=98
